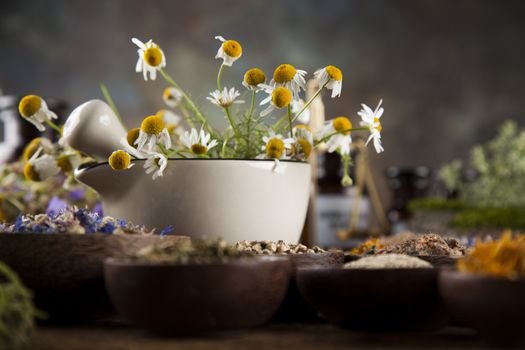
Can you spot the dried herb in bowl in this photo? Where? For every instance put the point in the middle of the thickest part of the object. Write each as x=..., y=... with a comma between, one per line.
x=279, y=247
x=190, y=251
x=71, y=220
x=412, y=244
x=388, y=261
x=501, y=258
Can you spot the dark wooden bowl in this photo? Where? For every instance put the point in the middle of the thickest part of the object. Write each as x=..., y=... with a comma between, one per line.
x=198, y=298
x=294, y=308
x=374, y=300
x=65, y=271
x=493, y=306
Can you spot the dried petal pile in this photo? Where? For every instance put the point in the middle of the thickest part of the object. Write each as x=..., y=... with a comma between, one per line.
x=501, y=258
x=279, y=247
x=71, y=220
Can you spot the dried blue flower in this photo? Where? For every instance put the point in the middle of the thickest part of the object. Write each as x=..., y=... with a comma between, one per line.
x=55, y=206
x=77, y=194
x=166, y=230
x=122, y=223
x=107, y=228
x=98, y=209
x=19, y=224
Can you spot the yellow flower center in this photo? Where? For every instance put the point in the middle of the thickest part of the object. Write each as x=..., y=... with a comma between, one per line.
x=334, y=73
x=29, y=105
x=302, y=126
x=171, y=127
x=254, y=77
x=119, y=160
x=378, y=126
x=232, y=48
x=152, y=125
x=275, y=148
x=64, y=163
x=133, y=135
x=30, y=172
x=31, y=148
x=342, y=124
x=153, y=56
x=199, y=149
x=281, y=97
x=167, y=94
x=306, y=147
x=284, y=73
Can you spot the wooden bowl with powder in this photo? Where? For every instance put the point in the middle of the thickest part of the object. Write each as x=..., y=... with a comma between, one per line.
x=394, y=294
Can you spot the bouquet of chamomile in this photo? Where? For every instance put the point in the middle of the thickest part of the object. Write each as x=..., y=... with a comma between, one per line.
x=277, y=130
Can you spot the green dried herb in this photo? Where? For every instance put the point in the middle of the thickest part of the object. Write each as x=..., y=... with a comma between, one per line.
x=190, y=251
x=17, y=312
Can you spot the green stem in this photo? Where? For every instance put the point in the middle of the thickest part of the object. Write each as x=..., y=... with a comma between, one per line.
x=178, y=153
x=324, y=139
x=230, y=119
x=305, y=106
x=187, y=117
x=219, y=77
x=277, y=125
x=54, y=126
x=109, y=100
x=188, y=100
x=223, y=149
x=252, y=105
x=290, y=120
x=346, y=180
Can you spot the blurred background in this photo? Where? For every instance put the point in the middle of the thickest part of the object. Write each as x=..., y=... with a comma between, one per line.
x=449, y=72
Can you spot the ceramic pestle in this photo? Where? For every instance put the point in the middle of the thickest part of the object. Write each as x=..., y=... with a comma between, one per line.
x=94, y=129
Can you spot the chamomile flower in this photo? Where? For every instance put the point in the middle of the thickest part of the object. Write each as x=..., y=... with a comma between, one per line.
x=152, y=131
x=172, y=97
x=338, y=134
x=128, y=144
x=230, y=51
x=288, y=76
x=371, y=120
x=253, y=79
x=275, y=146
x=197, y=142
x=278, y=97
x=332, y=77
x=40, y=167
x=68, y=161
x=224, y=98
x=156, y=163
x=172, y=122
x=298, y=104
x=151, y=58
x=120, y=160
x=40, y=143
x=34, y=109
x=303, y=142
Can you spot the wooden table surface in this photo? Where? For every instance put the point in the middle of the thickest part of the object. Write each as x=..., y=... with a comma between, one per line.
x=275, y=337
